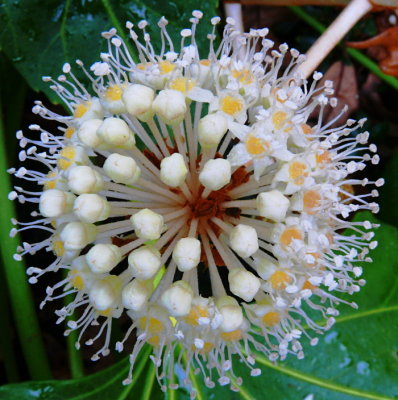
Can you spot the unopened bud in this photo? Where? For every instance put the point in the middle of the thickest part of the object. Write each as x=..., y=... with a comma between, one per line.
x=231, y=312
x=88, y=132
x=215, y=174
x=272, y=205
x=243, y=283
x=91, y=208
x=102, y=258
x=178, y=299
x=186, y=253
x=54, y=203
x=138, y=100
x=116, y=132
x=105, y=293
x=173, y=170
x=122, y=169
x=211, y=130
x=84, y=179
x=147, y=224
x=170, y=106
x=77, y=235
x=145, y=262
x=243, y=240
x=136, y=294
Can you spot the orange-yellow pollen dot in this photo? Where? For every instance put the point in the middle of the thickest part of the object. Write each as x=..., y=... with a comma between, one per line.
x=323, y=158
x=278, y=119
x=182, y=84
x=205, y=62
x=51, y=182
x=58, y=248
x=81, y=109
x=154, y=340
x=196, y=313
x=271, y=318
x=66, y=157
x=153, y=325
x=243, y=76
x=114, y=93
x=104, y=313
x=255, y=145
x=166, y=67
x=307, y=130
x=297, y=172
x=69, y=131
x=232, y=336
x=76, y=279
x=279, y=280
x=309, y=285
x=290, y=234
x=231, y=105
x=311, y=200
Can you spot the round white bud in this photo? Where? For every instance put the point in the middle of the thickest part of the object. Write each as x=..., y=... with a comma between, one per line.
x=144, y=262
x=54, y=203
x=102, y=258
x=91, y=208
x=88, y=132
x=105, y=293
x=211, y=130
x=215, y=174
x=243, y=240
x=116, y=132
x=135, y=294
x=84, y=179
x=243, y=283
x=231, y=312
x=122, y=169
x=186, y=253
x=77, y=235
x=147, y=224
x=170, y=106
x=272, y=205
x=138, y=100
x=173, y=170
x=178, y=299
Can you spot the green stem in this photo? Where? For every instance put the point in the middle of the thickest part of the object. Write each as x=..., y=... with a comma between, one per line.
x=354, y=53
x=20, y=295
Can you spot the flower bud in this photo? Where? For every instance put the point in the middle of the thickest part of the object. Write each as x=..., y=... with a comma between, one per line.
x=178, y=299
x=272, y=205
x=243, y=240
x=105, y=293
x=84, y=179
x=211, y=130
x=147, y=224
x=122, y=169
x=170, y=106
x=88, y=133
x=91, y=208
x=138, y=100
x=215, y=174
x=186, y=253
x=102, y=258
x=243, y=283
x=231, y=312
x=116, y=132
x=77, y=235
x=173, y=170
x=145, y=262
x=54, y=203
x=136, y=294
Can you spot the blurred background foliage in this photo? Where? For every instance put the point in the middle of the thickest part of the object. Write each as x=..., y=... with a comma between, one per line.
x=358, y=358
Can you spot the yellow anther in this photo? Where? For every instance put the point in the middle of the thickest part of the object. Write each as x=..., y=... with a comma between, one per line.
x=104, y=313
x=81, y=109
x=311, y=200
x=323, y=158
x=113, y=93
x=298, y=171
x=154, y=340
x=196, y=313
x=70, y=130
x=232, y=336
x=309, y=285
x=278, y=119
x=76, y=279
x=166, y=67
x=279, y=280
x=271, y=318
x=231, y=105
x=289, y=234
x=51, y=183
x=153, y=325
x=58, y=248
x=256, y=146
x=243, y=76
x=205, y=62
x=307, y=130
x=66, y=157
x=182, y=84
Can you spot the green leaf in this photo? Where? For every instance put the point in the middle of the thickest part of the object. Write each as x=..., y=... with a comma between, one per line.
x=39, y=37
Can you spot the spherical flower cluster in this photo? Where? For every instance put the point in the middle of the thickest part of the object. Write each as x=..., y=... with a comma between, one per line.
x=200, y=197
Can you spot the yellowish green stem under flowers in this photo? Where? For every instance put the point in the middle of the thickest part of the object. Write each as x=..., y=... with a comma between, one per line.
x=20, y=296
x=357, y=55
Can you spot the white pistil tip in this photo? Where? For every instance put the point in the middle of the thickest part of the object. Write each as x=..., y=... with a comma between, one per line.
x=122, y=169
x=186, y=253
x=211, y=130
x=84, y=179
x=145, y=262
x=87, y=132
x=91, y=208
x=178, y=299
x=215, y=174
x=102, y=258
x=173, y=170
x=54, y=203
x=170, y=106
x=77, y=235
x=138, y=100
x=135, y=294
x=147, y=224
x=272, y=205
x=116, y=132
x=243, y=283
x=243, y=240
x=231, y=312
x=105, y=293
